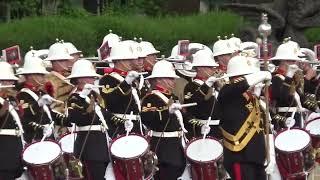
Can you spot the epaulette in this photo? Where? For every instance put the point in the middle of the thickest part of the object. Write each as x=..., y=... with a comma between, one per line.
x=279, y=118
x=116, y=76
x=310, y=96
x=195, y=122
x=311, y=105
x=239, y=79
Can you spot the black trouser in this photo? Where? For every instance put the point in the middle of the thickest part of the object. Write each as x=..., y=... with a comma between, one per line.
x=246, y=171
x=168, y=172
x=94, y=170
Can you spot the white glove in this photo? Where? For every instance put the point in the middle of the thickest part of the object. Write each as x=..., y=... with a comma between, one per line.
x=132, y=75
x=45, y=100
x=174, y=107
x=257, y=89
x=91, y=87
x=257, y=77
x=292, y=69
x=290, y=122
x=128, y=125
x=205, y=129
x=210, y=81
x=47, y=130
x=85, y=91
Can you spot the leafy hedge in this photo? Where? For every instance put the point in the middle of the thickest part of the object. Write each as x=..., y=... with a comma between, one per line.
x=313, y=35
x=87, y=32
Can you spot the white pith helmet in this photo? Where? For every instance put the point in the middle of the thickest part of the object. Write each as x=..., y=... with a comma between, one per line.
x=58, y=52
x=6, y=72
x=82, y=68
x=241, y=65
x=148, y=48
x=249, y=48
x=222, y=47
x=235, y=43
x=122, y=51
x=71, y=48
x=112, y=39
x=308, y=55
x=33, y=65
x=287, y=51
x=163, y=69
x=137, y=48
x=203, y=58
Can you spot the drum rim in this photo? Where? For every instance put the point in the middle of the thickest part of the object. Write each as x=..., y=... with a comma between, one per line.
x=65, y=134
x=306, y=124
x=204, y=162
x=48, y=163
x=61, y=137
x=295, y=150
x=135, y=157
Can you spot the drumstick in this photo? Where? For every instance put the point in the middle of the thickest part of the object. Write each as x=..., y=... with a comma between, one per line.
x=7, y=86
x=207, y=124
x=188, y=105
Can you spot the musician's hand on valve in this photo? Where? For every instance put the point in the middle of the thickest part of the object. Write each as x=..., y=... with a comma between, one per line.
x=45, y=100
x=258, y=88
x=205, y=129
x=174, y=107
x=47, y=130
x=132, y=75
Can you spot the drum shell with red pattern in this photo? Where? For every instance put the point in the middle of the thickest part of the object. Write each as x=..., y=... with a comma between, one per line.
x=130, y=168
x=209, y=168
x=315, y=137
x=49, y=170
x=294, y=163
x=66, y=142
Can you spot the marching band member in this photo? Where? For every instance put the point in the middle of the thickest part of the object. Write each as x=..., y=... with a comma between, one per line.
x=11, y=131
x=158, y=114
x=61, y=63
x=37, y=118
x=84, y=110
x=148, y=64
x=223, y=51
x=119, y=92
x=241, y=126
x=73, y=51
x=201, y=91
x=287, y=87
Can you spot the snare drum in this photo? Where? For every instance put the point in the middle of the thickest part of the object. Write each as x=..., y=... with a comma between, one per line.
x=67, y=143
x=131, y=154
x=203, y=155
x=313, y=127
x=294, y=153
x=43, y=160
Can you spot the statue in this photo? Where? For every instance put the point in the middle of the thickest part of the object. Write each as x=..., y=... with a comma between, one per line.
x=289, y=18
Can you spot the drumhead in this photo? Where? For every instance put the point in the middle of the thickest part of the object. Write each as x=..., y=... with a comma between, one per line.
x=41, y=152
x=67, y=142
x=292, y=140
x=314, y=127
x=204, y=150
x=129, y=146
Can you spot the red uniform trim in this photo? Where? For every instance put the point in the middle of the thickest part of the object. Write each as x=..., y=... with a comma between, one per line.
x=237, y=171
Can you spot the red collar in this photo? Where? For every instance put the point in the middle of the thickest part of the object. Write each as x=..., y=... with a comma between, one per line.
x=30, y=86
x=122, y=73
x=162, y=89
x=280, y=71
x=200, y=78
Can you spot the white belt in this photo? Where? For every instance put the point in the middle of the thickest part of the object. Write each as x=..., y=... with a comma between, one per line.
x=165, y=134
x=89, y=128
x=212, y=122
x=9, y=132
x=291, y=109
x=128, y=116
